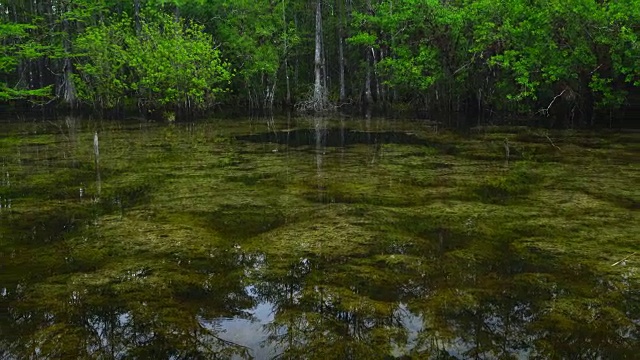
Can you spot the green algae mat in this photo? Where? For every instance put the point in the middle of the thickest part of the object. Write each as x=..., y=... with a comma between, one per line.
x=317, y=239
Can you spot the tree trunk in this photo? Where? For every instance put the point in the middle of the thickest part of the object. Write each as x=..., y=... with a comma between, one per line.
x=296, y=64
x=136, y=16
x=317, y=87
x=375, y=73
x=67, y=88
x=367, y=81
x=341, y=65
x=286, y=55
x=370, y=59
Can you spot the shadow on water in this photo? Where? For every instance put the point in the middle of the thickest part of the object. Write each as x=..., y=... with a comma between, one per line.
x=241, y=222
x=333, y=137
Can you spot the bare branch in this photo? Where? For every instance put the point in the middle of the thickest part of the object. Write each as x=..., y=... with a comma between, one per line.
x=623, y=260
x=551, y=141
x=596, y=69
x=545, y=112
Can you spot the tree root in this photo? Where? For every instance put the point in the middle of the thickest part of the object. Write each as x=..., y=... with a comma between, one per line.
x=316, y=104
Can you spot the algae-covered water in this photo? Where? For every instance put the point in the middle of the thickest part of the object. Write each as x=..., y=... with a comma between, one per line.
x=316, y=239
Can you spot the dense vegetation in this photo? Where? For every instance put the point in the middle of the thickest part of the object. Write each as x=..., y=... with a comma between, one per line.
x=569, y=61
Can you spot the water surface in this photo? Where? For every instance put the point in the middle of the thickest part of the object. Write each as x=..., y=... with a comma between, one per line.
x=316, y=239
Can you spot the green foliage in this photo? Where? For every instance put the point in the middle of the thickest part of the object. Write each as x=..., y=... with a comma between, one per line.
x=519, y=55
x=16, y=46
x=175, y=63
x=256, y=37
x=169, y=64
x=426, y=50
x=7, y=93
x=481, y=56
x=542, y=49
x=102, y=79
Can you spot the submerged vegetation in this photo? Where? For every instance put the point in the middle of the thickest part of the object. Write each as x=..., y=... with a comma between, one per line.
x=317, y=239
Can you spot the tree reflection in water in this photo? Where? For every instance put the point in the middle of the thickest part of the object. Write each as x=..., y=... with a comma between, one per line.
x=504, y=302
x=359, y=243
x=137, y=316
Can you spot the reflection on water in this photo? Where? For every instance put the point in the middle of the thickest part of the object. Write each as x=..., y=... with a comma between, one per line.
x=313, y=239
x=332, y=137
x=251, y=333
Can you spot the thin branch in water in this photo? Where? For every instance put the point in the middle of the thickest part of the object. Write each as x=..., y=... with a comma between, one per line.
x=551, y=141
x=59, y=128
x=507, y=150
x=623, y=260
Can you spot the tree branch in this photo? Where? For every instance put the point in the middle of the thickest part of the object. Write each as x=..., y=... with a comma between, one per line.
x=545, y=112
x=551, y=141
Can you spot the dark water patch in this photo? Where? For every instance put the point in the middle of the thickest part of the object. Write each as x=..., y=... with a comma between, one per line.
x=57, y=184
x=449, y=239
x=332, y=195
x=518, y=181
x=425, y=181
x=530, y=137
x=432, y=235
x=46, y=225
x=497, y=156
x=626, y=202
x=418, y=154
x=240, y=222
x=249, y=179
x=334, y=137
x=128, y=196
x=256, y=178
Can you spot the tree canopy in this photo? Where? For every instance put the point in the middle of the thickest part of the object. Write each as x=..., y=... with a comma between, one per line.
x=571, y=61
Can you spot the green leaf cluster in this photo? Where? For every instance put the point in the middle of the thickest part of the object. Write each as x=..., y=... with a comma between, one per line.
x=17, y=46
x=508, y=54
x=256, y=36
x=169, y=64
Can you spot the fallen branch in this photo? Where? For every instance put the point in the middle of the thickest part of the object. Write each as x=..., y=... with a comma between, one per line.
x=551, y=141
x=623, y=260
x=507, y=149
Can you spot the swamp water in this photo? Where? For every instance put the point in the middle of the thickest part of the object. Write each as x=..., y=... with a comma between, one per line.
x=316, y=239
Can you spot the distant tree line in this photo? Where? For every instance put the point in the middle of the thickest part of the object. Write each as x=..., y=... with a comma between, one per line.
x=572, y=62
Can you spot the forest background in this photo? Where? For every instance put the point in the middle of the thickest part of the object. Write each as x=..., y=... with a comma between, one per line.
x=557, y=63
